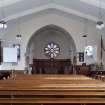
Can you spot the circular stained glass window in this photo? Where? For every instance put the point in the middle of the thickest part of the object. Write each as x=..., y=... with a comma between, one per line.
x=52, y=50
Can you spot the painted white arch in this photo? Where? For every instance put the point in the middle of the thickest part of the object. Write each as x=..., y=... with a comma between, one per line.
x=55, y=24
x=67, y=42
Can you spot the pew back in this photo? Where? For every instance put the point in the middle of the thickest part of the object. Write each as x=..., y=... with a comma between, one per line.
x=52, y=89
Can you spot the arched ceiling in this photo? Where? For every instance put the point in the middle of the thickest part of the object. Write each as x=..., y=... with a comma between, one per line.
x=88, y=9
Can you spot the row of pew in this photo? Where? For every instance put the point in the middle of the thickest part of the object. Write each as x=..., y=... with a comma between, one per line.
x=52, y=89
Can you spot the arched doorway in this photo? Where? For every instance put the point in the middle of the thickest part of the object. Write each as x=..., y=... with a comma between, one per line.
x=46, y=35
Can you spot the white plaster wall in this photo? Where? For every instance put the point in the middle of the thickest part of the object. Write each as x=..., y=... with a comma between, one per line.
x=29, y=25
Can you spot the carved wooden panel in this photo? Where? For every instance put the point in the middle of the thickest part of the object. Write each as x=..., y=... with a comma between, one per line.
x=52, y=66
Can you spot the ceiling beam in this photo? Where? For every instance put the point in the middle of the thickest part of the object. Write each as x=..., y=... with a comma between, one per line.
x=97, y=3
x=4, y=3
x=51, y=6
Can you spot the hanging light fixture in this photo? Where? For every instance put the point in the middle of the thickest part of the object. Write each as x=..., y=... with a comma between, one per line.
x=3, y=23
x=100, y=23
x=18, y=36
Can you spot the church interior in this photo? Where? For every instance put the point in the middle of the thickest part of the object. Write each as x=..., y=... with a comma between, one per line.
x=52, y=52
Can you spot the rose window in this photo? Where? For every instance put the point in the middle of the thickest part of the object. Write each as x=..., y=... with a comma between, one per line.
x=52, y=50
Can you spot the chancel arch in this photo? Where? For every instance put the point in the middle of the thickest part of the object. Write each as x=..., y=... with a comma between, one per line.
x=47, y=35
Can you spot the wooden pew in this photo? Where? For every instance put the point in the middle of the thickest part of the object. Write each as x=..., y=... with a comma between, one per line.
x=52, y=89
